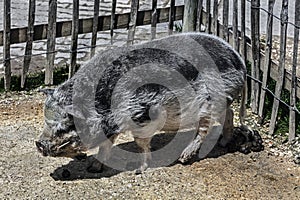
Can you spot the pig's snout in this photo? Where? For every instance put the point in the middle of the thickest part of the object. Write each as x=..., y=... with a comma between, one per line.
x=43, y=147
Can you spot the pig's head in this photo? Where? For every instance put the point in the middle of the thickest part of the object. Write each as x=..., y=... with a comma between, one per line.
x=59, y=137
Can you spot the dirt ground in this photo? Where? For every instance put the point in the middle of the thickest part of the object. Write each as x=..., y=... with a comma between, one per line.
x=25, y=174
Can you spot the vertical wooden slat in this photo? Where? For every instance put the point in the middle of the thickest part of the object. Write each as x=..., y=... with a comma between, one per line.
x=199, y=15
x=132, y=23
x=281, y=68
x=243, y=30
x=154, y=19
x=74, y=44
x=112, y=19
x=243, y=50
x=6, y=44
x=225, y=20
x=208, y=20
x=268, y=60
x=190, y=15
x=215, y=17
x=51, y=34
x=28, y=48
x=293, y=99
x=95, y=27
x=255, y=36
x=235, y=25
x=171, y=16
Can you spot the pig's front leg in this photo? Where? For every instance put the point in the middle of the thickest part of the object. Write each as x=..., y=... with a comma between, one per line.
x=103, y=154
x=228, y=128
x=144, y=144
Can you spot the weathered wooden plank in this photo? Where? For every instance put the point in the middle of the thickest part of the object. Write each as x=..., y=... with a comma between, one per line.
x=267, y=62
x=95, y=27
x=215, y=17
x=171, y=17
x=281, y=69
x=235, y=25
x=133, y=21
x=208, y=17
x=112, y=19
x=243, y=50
x=199, y=15
x=28, y=47
x=154, y=16
x=225, y=20
x=293, y=99
x=51, y=35
x=63, y=28
x=255, y=37
x=190, y=16
x=243, y=30
x=6, y=44
x=74, y=38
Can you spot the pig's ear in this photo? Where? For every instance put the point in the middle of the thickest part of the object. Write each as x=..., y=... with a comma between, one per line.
x=47, y=91
x=69, y=109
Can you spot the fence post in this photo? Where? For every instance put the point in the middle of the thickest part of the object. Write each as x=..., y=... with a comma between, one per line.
x=243, y=30
x=132, y=23
x=281, y=68
x=199, y=15
x=28, y=48
x=235, y=25
x=51, y=34
x=171, y=16
x=268, y=60
x=255, y=37
x=190, y=15
x=154, y=19
x=293, y=97
x=243, y=49
x=6, y=44
x=225, y=20
x=112, y=19
x=208, y=17
x=215, y=17
x=74, y=44
x=95, y=27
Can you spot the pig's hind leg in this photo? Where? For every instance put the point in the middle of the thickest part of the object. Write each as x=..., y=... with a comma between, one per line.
x=104, y=152
x=144, y=144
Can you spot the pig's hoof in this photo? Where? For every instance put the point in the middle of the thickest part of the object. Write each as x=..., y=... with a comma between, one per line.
x=257, y=142
x=138, y=171
x=253, y=142
x=95, y=167
x=141, y=169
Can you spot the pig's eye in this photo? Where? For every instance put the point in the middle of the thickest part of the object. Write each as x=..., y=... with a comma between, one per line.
x=60, y=132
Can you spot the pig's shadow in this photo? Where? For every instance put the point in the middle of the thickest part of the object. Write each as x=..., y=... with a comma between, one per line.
x=77, y=169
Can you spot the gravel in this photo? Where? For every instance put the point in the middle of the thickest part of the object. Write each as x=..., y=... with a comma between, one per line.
x=25, y=174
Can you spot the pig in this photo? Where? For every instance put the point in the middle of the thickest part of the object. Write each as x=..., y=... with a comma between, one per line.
x=202, y=75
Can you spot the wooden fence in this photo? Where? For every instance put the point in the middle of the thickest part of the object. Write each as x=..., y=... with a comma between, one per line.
x=263, y=68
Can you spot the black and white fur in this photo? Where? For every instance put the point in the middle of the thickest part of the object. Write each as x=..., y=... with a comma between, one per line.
x=60, y=139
